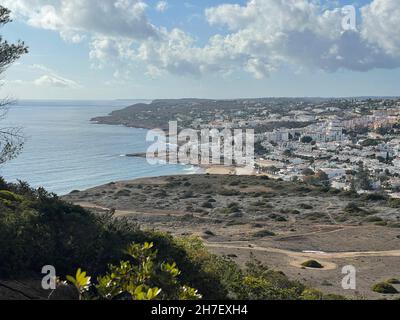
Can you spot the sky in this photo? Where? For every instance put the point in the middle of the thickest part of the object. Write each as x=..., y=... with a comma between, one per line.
x=138, y=49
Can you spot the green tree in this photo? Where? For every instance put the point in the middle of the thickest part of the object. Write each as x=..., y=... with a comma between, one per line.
x=306, y=139
x=362, y=178
x=11, y=139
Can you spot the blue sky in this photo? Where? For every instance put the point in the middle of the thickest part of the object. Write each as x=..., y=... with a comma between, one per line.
x=209, y=49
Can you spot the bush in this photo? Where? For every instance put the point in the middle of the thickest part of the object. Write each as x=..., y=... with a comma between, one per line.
x=228, y=193
x=312, y=264
x=305, y=206
x=10, y=196
x=263, y=234
x=123, y=193
x=394, y=203
x=374, y=197
x=353, y=208
x=373, y=219
x=141, y=277
x=231, y=208
x=312, y=294
x=384, y=288
x=393, y=281
x=207, y=205
x=40, y=229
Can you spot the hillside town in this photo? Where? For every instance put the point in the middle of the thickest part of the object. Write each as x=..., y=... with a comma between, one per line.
x=350, y=144
x=355, y=149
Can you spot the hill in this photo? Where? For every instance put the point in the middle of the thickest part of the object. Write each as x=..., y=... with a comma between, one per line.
x=282, y=223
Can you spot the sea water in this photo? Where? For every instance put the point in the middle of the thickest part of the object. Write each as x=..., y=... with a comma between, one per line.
x=64, y=151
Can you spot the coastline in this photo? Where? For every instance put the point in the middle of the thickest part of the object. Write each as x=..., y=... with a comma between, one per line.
x=217, y=169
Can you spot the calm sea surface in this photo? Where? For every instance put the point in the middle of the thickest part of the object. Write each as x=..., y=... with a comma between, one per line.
x=64, y=151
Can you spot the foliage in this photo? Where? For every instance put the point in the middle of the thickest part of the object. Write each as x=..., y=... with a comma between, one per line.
x=306, y=139
x=352, y=207
x=393, y=281
x=362, y=178
x=394, y=203
x=38, y=228
x=312, y=264
x=81, y=282
x=11, y=139
x=259, y=149
x=319, y=178
x=141, y=278
x=263, y=234
x=384, y=288
x=374, y=197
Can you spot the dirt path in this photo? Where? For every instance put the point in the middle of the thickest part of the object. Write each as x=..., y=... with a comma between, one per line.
x=297, y=258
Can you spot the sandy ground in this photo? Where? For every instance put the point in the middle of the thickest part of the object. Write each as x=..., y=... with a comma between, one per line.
x=316, y=234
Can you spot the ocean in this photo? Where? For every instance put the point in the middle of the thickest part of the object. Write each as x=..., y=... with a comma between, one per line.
x=64, y=151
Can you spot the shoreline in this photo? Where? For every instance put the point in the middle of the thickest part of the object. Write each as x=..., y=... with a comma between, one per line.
x=218, y=169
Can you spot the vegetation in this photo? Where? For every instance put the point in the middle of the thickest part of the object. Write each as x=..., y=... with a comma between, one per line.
x=263, y=234
x=37, y=229
x=11, y=139
x=312, y=264
x=142, y=278
x=306, y=139
x=353, y=208
x=384, y=288
x=393, y=281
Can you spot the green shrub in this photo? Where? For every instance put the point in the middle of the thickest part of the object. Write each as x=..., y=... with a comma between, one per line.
x=312, y=264
x=263, y=234
x=207, y=205
x=312, y=294
x=123, y=193
x=141, y=277
x=373, y=219
x=305, y=206
x=228, y=192
x=394, y=203
x=231, y=208
x=384, y=288
x=374, y=197
x=393, y=281
x=10, y=196
x=40, y=229
x=353, y=208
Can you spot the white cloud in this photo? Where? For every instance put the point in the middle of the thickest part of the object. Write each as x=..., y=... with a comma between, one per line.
x=106, y=50
x=259, y=37
x=265, y=35
x=54, y=81
x=382, y=24
x=162, y=6
x=72, y=18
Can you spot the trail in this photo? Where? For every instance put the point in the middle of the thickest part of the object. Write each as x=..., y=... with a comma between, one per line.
x=299, y=257
x=295, y=258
